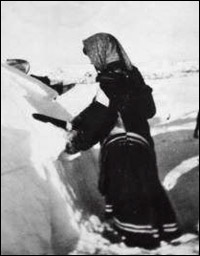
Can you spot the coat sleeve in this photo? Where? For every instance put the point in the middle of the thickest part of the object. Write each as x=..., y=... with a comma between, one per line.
x=143, y=103
x=90, y=127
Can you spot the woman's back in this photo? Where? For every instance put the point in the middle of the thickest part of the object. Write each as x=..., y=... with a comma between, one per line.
x=129, y=96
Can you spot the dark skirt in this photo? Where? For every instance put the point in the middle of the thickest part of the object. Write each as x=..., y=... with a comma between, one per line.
x=134, y=195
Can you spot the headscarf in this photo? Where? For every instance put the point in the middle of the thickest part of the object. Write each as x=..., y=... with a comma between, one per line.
x=103, y=49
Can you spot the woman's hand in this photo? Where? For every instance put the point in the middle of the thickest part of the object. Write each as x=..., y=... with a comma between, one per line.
x=68, y=126
x=70, y=146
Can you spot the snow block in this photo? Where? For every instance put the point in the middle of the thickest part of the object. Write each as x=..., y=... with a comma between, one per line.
x=41, y=197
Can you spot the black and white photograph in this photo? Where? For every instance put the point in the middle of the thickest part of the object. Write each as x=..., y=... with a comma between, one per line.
x=99, y=127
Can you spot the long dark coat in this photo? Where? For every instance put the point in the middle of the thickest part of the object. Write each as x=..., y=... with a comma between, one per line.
x=129, y=175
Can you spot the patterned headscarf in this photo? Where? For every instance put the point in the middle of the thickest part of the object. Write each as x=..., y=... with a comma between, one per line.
x=103, y=48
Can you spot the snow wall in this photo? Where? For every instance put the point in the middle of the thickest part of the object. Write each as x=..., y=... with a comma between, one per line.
x=45, y=194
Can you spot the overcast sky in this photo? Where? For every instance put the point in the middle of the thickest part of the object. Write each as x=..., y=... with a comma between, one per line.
x=51, y=32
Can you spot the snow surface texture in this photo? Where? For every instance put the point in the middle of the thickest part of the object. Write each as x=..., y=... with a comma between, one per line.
x=37, y=213
x=151, y=71
x=172, y=178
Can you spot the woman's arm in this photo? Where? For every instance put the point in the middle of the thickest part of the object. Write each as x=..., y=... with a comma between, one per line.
x=90, y=127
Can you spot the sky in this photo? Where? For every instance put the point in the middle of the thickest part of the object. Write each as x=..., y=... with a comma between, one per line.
x=50, y=33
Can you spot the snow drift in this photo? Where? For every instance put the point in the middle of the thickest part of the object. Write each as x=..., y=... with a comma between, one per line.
x=41, y=201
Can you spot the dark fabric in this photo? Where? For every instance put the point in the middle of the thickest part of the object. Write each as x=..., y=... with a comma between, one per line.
x=130, y=183
x=128, y=93
x=91, y=126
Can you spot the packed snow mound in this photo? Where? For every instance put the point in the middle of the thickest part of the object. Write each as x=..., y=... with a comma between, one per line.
x=38, y=214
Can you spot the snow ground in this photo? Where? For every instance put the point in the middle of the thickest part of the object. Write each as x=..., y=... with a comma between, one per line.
x=92, y=243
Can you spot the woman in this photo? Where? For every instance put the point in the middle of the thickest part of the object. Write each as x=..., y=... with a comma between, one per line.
x=135, y=199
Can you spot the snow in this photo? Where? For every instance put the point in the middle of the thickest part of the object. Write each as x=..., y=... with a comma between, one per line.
x=35, y=205
x=40, y=183
x=78, y=98
x=44, y=192
x=92, y=243
x=172, y=177
x=169, y=69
